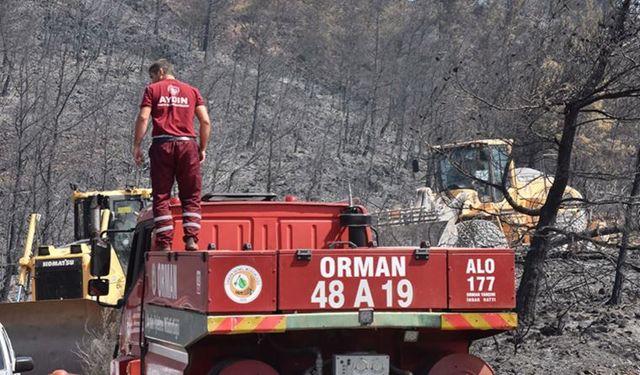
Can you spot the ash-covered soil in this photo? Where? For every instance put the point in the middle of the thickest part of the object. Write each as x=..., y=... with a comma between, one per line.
x=576, y=331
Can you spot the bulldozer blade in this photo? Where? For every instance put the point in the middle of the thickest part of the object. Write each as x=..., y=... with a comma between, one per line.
x=412, y=234
x=51, y=332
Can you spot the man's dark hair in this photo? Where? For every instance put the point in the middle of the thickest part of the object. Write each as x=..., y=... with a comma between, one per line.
x=163, y=64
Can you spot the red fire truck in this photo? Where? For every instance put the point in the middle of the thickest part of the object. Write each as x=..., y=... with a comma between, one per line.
x=291, y=287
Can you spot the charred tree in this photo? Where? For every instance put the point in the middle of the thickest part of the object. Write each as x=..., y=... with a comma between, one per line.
x=616, y=292
x=598, y=86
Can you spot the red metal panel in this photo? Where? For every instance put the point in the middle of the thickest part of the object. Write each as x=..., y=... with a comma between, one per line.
x=176, y=279
x=130, y=324
x=242, y=281
x=133, y=367
x=481, y=279
x=312, y=233
x=227, y=234
x=119, y=365
x=204, y=281
x=266, y=225
x=158, y=364
x=350, y=279
x=233, y=234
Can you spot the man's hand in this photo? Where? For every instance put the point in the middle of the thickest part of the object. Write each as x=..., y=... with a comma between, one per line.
x=205, y=130
x=141, y=127
x=137, y=155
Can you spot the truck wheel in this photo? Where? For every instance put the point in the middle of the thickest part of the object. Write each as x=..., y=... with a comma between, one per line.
x=480, y=234
x=244, y=367
x=461, y=364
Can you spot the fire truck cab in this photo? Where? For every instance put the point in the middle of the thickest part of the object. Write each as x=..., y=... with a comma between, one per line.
x=291, y=287
x=9, y=363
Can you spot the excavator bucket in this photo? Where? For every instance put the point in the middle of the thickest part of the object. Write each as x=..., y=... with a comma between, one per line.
x=52, y=332
x=432, y=220
x=409, y=227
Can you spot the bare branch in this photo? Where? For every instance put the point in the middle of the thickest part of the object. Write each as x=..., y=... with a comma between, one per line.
x=489, y=103
x=630, y=93
x=621, y=74
x=607, y=116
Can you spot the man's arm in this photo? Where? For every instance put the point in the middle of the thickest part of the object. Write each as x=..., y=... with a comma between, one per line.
x=205, y=129
x=142, y=122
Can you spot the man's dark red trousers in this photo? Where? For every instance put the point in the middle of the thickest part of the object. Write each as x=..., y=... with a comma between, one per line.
x=177, y=159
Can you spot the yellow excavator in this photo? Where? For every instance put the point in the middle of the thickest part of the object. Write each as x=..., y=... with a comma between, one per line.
x=54, y=312
x=461, y=205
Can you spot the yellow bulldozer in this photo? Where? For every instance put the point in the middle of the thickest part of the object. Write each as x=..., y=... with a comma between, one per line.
x=54, y=311
x=463, y=206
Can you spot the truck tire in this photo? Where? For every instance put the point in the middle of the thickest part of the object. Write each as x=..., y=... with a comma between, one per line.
x=479, y=234
x=461, y=363
x=242, y=366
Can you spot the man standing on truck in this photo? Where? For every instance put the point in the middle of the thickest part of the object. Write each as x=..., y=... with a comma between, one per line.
x=174, y=151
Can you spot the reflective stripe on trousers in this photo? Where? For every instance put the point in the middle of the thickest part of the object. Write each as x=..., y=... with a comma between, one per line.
x=177, y=160
x=191, y=222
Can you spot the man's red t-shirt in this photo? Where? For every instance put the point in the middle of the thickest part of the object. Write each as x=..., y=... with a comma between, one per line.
x=173, y=105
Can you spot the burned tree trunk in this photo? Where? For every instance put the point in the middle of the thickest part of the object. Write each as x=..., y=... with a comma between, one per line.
x=616, y=292
x=597, y=87
x=534, y=262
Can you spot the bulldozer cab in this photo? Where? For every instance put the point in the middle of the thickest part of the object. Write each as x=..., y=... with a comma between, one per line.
x=473, y=166
x=56, y=280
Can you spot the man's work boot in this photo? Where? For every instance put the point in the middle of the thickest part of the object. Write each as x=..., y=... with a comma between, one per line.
x=190, y=244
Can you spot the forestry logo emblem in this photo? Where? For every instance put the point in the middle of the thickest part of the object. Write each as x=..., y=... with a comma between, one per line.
x=243, y=284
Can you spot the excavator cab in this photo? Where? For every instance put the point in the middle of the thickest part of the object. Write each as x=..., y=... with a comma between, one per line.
x=473, y=166
x=463, y=203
